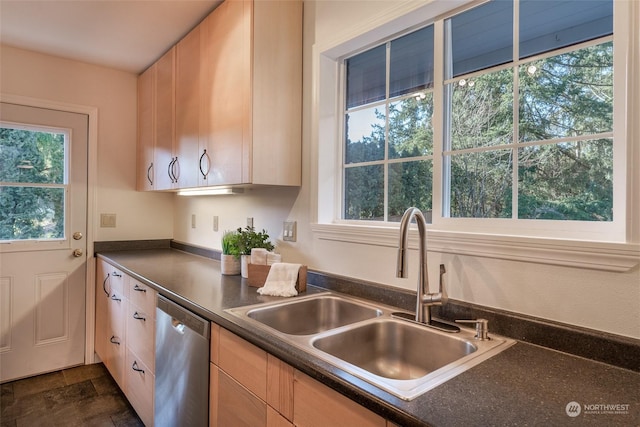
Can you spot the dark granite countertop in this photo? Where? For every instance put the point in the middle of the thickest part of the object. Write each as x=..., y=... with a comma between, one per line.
x=523, y=385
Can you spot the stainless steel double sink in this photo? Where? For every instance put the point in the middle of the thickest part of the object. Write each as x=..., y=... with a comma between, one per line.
x=367, y=340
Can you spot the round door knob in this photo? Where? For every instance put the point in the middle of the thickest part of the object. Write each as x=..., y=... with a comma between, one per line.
x=77, y=235
x=77, y=253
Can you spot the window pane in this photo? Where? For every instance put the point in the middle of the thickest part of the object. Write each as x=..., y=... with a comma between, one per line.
x=481, y=184
x=410, y=184
x=481, y=37
x=31, y=157
x=548, y=25
x=567, y=95
x=482, y=110
x=566, y=181
x=410, y=130
x=31, y=213
x=366, y=77
x=364, y=193
x=365, y=135
x=411, y=67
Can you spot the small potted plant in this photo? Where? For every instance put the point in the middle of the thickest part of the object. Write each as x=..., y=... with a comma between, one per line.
x=249, y=238
x=230, y=258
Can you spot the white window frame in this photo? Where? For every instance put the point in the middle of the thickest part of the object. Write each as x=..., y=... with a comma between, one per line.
x=470, y=236
x=64, y=242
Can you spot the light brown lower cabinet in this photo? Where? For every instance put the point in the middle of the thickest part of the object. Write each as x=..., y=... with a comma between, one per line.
x=250, y=387
x=125, y=335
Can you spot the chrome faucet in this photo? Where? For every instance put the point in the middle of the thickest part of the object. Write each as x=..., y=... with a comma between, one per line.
x=424, y=299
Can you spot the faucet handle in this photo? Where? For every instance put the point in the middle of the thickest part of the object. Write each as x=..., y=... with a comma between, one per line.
x=482, y=328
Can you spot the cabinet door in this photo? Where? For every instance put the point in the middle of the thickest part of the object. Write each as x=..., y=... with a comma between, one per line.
x=317, y=405
x=146, y=133
x=187, y=103
x=164, y=119
x=226, y=92
x=244, y=362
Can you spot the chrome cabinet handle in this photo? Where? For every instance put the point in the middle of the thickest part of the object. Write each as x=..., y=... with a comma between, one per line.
x=139, y=289
x=149, y=169
x=135, y=367
x=205, y=174
x=138, y=317
x=116, y=274
x=114, y=340
x=104, y=285
x=114, y=297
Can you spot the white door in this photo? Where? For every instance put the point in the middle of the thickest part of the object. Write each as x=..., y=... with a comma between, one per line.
x=43, y=221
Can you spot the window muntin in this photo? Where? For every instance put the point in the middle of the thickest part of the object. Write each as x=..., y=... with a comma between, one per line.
x=33, y=181
x=388, y=141
x=514, y=94
x=555, y=104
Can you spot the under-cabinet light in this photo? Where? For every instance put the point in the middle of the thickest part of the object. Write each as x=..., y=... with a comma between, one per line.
x=210, y=191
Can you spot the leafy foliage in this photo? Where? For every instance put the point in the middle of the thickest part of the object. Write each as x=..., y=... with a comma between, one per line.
x=249, y=238
x=31, y=211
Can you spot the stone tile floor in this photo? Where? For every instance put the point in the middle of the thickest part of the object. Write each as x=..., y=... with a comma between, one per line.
x=80, y=396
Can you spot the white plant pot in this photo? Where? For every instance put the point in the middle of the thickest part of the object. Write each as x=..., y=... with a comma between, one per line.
x=229, y=265
x=244, y=263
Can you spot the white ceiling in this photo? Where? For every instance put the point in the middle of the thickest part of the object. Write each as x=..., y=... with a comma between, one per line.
x=124, y=34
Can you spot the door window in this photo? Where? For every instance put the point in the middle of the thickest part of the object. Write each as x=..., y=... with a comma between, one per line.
x=33, y=182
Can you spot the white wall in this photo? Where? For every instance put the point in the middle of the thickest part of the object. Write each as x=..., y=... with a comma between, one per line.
x=594, y=299
x=113, y=92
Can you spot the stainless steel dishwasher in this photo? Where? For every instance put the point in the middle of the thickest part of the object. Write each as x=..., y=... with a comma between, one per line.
x=182, y=367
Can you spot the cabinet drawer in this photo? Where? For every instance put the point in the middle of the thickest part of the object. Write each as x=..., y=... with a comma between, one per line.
x=139, y=384
x=142, y=295
x=244, y=362
x=236, y=406
x=114, y=358
x=141, y=334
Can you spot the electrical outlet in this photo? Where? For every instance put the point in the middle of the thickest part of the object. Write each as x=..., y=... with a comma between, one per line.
x=289, y=231
x=215, y=223
x=249, y=221
x=193, y=220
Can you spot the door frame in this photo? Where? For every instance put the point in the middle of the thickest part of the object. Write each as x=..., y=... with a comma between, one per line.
x=92, y=202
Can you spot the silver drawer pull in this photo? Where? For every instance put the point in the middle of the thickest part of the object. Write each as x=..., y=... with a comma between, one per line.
x=135, y=367
x=139, y=289
x=114, y=297
x=116, y=274
x=114, y=340
x=138, y=317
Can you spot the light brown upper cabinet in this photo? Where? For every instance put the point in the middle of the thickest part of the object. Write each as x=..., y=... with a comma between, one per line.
x=238, y=98
x=146, y=131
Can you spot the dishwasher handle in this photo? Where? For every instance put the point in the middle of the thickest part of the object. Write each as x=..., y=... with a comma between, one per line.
x=181, y=318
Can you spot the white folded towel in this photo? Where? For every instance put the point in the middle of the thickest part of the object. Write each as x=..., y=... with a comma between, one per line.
x=281, y=281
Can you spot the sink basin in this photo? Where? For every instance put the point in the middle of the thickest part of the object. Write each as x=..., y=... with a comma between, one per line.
x=394, y=348
x=312, y=315
x=368, y=341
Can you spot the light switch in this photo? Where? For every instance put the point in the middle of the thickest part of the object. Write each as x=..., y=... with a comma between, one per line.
x=289, y=231
x=107, y=220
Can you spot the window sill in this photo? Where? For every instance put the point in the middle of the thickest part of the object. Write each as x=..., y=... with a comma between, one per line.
x=604, y=256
